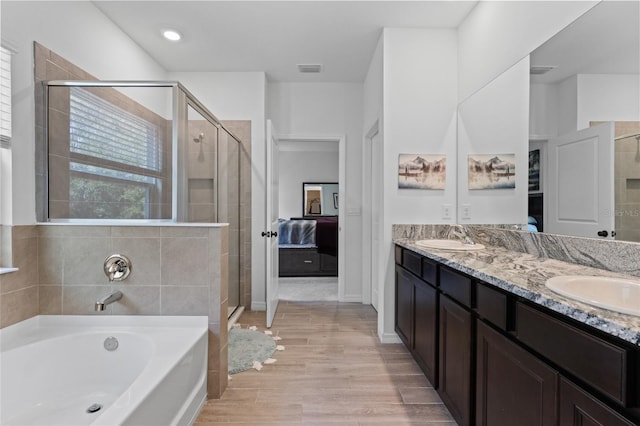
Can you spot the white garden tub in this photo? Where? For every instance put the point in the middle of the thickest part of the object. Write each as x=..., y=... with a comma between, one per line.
x=54, y=368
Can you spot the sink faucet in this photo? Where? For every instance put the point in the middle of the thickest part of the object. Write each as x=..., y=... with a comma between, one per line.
x=461, y=231
x=102, y=303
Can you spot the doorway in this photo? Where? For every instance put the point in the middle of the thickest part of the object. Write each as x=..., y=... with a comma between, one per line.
x=312, y=159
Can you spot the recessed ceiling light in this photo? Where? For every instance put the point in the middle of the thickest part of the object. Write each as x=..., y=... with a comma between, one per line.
x=171, y=35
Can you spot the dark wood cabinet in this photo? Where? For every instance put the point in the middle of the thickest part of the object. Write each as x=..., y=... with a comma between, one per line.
x=404, y=306
x=455, y=360
x=497, y=359
x=578, y=408
x=513, y=387
x=425, y=333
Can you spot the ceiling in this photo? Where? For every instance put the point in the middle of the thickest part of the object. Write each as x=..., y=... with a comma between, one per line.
x=605, y=40
x=275, y=36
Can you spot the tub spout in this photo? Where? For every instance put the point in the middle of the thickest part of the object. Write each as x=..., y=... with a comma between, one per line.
x=102, y=303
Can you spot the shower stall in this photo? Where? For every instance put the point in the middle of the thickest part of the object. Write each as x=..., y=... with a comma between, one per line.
x=627, y=181
x=140, y=151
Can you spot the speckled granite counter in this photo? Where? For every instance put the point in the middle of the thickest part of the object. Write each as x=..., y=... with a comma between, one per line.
x=524, y=275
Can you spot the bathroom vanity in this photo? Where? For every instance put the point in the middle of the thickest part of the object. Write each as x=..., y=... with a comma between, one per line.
x=502, y=349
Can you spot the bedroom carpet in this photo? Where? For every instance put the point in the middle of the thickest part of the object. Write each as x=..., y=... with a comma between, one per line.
x=308, y=289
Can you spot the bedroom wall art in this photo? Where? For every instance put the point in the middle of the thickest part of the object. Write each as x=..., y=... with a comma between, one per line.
x=492, y=171
x=422, y=171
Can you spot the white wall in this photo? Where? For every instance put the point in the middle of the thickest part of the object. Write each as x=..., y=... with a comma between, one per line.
x=297, y=167
x=329, y=109
x=495, y=120
x=607, y=98
x=420, y=100
x=571, y=104
x=80, y=33
x=497, y=34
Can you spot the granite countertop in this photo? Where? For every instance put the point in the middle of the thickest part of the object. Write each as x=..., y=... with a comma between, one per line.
x=524, y=275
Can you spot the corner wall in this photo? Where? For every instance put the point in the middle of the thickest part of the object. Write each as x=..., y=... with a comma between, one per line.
x=420, y=67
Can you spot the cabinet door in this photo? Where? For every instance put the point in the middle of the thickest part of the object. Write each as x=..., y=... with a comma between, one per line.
x=578, y=408
x=425, y=334
x=455, y=357
x=512, y=386
x=404, y=306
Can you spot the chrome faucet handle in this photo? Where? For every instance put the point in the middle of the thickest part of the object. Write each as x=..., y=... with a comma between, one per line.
x=117, y=267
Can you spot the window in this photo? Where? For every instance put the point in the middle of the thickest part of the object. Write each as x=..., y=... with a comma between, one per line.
x=115, y=161
x=5, y=96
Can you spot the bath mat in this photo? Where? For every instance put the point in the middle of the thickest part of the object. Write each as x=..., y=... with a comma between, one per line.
x=249, y=349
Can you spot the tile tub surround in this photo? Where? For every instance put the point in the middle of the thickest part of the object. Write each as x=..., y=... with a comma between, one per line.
x=61, y=272
x=524, y=275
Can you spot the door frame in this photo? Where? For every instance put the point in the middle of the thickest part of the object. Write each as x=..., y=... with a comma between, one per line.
x=342, y=217
x=367, y=217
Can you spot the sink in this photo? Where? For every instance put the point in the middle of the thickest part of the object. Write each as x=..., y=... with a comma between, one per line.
x=616, y=294
x=455, y=245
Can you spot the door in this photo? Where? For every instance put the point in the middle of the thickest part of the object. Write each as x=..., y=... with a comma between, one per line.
x=580, y=191
x=272, y=224
x=513, y=387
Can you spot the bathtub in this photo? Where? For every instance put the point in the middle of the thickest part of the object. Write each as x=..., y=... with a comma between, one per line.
x=141, y=370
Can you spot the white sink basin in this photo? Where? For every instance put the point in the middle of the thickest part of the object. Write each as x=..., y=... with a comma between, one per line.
x=455, y=245
x=615, y=294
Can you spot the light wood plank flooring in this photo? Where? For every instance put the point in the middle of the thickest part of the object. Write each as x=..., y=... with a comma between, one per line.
x=333, y=371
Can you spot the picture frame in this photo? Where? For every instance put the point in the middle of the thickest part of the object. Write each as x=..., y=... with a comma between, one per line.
x=422, y=171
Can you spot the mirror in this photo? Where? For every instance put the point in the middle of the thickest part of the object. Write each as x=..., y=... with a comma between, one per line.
x=585, y=75
x=319, y=199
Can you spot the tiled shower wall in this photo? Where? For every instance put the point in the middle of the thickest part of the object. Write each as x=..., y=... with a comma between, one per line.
x=627, y=181
x=176, y=270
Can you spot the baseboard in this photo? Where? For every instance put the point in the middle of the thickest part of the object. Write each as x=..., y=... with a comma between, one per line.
x=258, y=306
x=389, y=338
x=352, y=299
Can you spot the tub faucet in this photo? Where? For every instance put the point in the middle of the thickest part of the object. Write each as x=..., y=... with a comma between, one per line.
x=102, y=303
x=462, y=232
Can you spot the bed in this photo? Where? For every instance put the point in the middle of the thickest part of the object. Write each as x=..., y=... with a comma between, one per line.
x=308, y=247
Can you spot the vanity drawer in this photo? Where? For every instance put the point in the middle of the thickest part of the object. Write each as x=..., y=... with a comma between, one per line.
x=430, y=271
x=601, y=364
x=457, y=286
x=412, y=262
x=492, y=306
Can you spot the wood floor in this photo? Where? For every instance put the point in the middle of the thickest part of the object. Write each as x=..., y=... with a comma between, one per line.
x=333, y=371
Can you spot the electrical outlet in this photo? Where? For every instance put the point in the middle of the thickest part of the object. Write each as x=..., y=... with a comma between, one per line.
x=446, y=211
x=466, y=211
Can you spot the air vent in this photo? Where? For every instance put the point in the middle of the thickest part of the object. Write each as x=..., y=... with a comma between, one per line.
x=310, y=68
x=541, y=69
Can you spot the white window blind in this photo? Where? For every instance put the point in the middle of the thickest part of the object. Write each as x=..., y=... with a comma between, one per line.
x=5, y=95
x=100, y=129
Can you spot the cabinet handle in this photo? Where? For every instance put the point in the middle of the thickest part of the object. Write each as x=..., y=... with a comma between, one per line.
x=308, y=261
